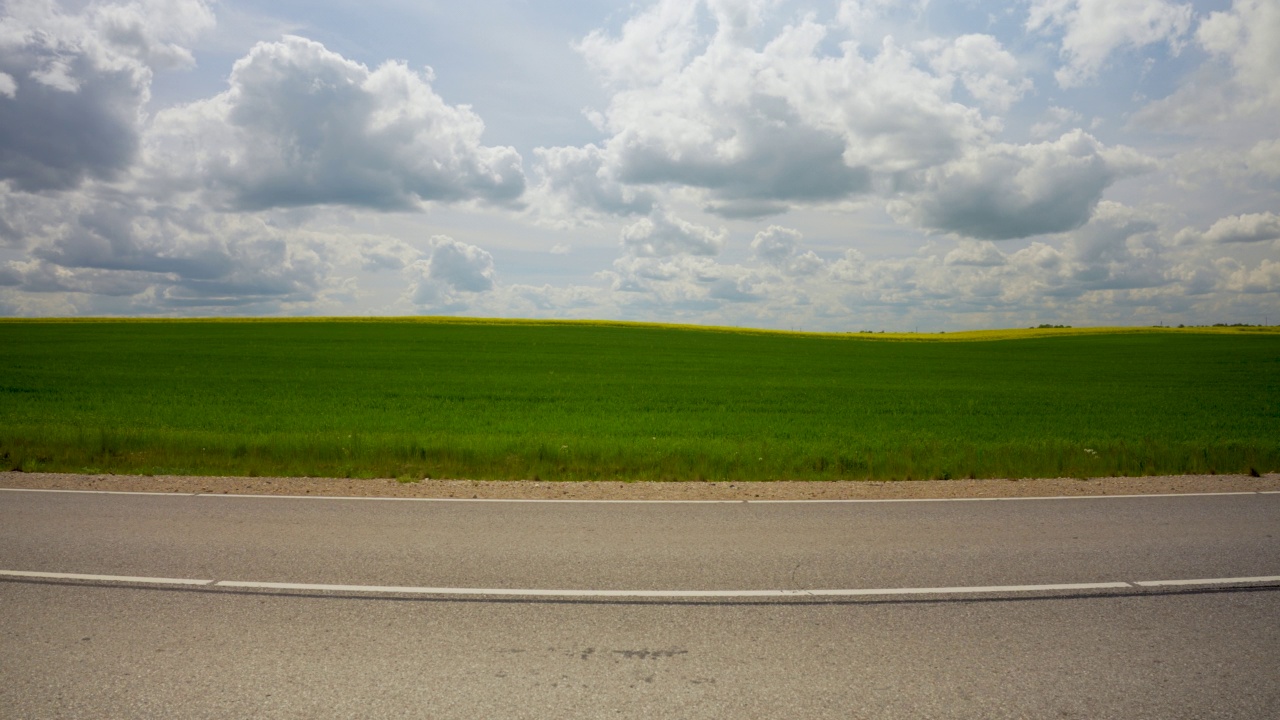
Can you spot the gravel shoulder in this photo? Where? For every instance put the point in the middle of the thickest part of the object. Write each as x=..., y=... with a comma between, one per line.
x=611, y=490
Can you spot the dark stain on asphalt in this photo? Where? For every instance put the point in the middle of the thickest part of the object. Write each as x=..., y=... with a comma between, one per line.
x=649, y=654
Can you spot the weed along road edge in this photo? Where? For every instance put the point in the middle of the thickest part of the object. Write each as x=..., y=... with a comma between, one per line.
x=1153, y=606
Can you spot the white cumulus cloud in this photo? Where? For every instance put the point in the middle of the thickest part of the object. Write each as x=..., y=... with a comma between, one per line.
x=72, y=93
x=1094, y=29
x=180, y=257
x=990, y=73
x=1009, y=191
x=155, y=32
x=1248, y=36
x=762, y=125
x=664, y=235
x=1252, y=227
x=978, y=253
x=575, y=180
x=1265, y=278
x=301, y=125
x=1264, y=158
x=779, y=247
x=451, y=273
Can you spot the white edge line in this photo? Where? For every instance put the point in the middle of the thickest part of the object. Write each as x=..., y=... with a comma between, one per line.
x=731, y=502
x=98, y=492
x=669, y=594
x=664, y=593
x=110, y=578
x=478, y=500
x=651, y=502
x=1217, y=581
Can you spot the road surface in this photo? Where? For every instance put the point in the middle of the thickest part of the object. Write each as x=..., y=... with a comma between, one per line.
x=215, y=606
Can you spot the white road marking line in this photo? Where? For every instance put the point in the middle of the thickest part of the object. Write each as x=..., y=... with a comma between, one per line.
x=730, y=502
x=1224, y=581
x=670, y=593
x=107, y=578
x=654, y=502
x=98, y=492
x=968, y=590
x=659, y=594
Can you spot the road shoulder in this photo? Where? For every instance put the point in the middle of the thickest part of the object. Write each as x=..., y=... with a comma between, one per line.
x=613, y=490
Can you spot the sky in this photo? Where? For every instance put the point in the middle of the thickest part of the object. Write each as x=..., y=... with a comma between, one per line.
x=829, y=166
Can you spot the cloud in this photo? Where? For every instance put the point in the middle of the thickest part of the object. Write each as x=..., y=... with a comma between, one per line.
x=1263, y=279
x=862, y=15
x=653, y=45
x=1253, y=227
x=781, y=277
x=576, y=180
x=990, y=73
x=1116, y=250
x=1239, y=90
x=574, y=301
x=1010, y=191
x=665, y=235
x=975, y=253
x=11, y=274
x=90, y=246
x=1094, y=29
x=41, y=277
x=262, y=274
x=73, y=86
x=301, y=125
x=761, y=127
x=189, y=258
x=449, y=274
x=1055, y=117
x=152, y=31
x=779, y=247
x=21, y=214
x=69, y=104
x=375, y=254
x=1264, y=158
x=461, y=266
x=776, y=244
x=678, y=283
x=258, y=199
x=1118, y=258
x=1248, y=37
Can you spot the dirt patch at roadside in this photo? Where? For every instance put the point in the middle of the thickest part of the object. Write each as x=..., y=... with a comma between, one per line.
x=611, y=490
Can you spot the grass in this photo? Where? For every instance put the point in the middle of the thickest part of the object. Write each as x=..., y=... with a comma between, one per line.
x=572, y=400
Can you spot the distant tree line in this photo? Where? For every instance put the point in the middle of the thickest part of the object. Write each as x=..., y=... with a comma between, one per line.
x=1222, y=325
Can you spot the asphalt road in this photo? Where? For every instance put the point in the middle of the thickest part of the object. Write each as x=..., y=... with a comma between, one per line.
x=77, y=648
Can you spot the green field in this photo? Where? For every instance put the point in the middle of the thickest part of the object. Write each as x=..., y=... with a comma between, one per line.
x=560, y=401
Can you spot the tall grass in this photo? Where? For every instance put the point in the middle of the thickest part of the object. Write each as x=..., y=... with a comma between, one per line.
x=505, y=400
